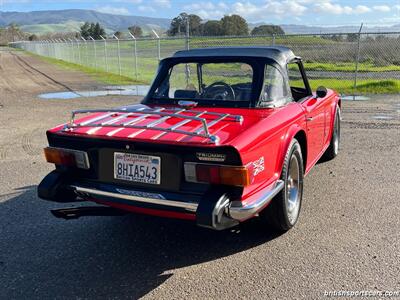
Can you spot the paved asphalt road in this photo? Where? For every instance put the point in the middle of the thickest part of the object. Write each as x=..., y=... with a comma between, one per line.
x=347, y=237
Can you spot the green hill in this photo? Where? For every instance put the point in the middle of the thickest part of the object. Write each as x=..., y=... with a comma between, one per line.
x=39, y=22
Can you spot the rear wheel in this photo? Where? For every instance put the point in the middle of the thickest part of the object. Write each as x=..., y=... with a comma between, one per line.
x=283, y=212
x=333, y=148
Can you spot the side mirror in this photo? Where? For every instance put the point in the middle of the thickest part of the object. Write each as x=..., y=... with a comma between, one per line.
x=321, y=92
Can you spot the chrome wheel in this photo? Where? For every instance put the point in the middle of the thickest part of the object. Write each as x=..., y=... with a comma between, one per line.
x=293, y=187
x=284, y=210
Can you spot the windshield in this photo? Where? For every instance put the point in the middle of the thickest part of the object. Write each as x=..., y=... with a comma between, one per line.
x=230, y=81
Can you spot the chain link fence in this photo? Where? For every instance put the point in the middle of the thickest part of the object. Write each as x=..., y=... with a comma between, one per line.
x=352, y=63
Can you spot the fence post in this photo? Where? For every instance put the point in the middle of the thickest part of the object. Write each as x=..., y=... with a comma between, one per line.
x=158, y=44
x=55, y=45
x=357, y=60
x=134, y=54
x=187, y=46
x=79, y=51
x=95, y=52
x=48, y=48
x=119, y=55
x=62, y=49
x=105, y=52
x=44, y=48
x=51, y=48
x=66, y=53
x=273, y=39
x=87, y=51
x=187, y=34
x=72, y=51
x=54, y=48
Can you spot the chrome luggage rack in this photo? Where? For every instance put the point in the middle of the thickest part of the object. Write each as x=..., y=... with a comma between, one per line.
x=143, y=112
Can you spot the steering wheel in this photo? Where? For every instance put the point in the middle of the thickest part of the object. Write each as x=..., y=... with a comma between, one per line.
x=219, y=91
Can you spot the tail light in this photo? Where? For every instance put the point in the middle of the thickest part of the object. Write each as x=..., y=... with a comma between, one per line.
x=217, y=174
x=67, y=157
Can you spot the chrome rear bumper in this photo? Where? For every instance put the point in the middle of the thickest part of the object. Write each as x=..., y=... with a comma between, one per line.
x=214, y=209
x=150, y=198
x=234, y=210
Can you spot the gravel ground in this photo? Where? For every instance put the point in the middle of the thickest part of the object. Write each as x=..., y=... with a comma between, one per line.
x=347, y=237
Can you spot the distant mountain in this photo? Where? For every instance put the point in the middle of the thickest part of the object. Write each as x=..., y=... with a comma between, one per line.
x=70, y=26
x=40, y=22
x=298, y=29
x=65, y=20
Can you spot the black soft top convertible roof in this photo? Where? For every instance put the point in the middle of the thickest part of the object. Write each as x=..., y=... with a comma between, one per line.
x=281, y=55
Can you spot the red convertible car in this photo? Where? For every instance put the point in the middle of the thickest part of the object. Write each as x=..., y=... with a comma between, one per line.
x=223, y=135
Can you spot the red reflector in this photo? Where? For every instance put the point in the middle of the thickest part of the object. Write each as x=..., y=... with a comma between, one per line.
x=202, y=173
x=214, y=175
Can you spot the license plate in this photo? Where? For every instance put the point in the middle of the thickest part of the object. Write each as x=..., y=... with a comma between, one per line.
x=137, y=168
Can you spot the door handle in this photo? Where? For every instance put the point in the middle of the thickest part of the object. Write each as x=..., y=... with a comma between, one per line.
x=309, y=119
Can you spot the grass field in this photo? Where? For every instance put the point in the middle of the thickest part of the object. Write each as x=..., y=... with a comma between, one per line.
x=101, y=76
x=101, y=60
x=349, y=67
x=363, y=86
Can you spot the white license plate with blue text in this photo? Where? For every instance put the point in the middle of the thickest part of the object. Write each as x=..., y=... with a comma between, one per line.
x=137, y=168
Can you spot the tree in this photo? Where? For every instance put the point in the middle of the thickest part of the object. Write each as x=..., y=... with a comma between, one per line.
x=179, y=24
x=33, y=37
x=212, y=28
x=136, y=31
x=98, y=32
x=194, y=25
x=267, y=29
x=92, y=30
x=234, y=25
x=118, y=34
x=12, y=33
x=85, y=30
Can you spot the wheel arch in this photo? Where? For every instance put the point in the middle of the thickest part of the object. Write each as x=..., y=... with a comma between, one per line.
x=297, y=132
x=337, y=103
x=301, y=137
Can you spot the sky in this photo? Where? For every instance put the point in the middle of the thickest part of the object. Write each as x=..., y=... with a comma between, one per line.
x=307, y=12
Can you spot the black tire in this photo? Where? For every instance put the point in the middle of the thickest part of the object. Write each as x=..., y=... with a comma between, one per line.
x=333, y=149
x=277, y=214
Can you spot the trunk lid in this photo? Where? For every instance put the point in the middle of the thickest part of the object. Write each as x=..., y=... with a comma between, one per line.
x=167, y=125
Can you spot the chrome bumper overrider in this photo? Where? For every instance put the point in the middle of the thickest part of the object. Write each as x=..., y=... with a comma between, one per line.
x=242, y=210
x=236, y=210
